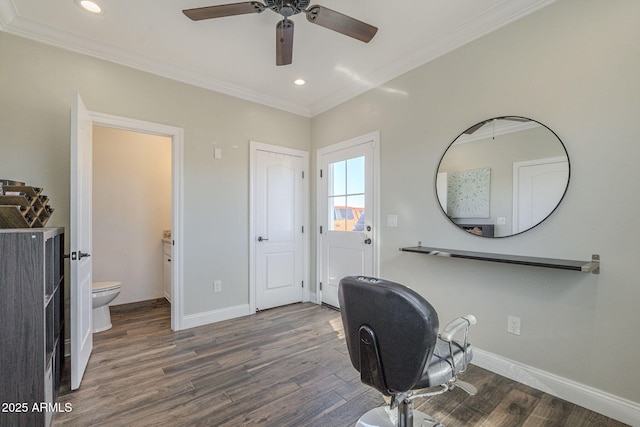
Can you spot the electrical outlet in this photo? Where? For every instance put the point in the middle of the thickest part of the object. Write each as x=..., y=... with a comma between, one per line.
x=217, y=286
x=513, y=325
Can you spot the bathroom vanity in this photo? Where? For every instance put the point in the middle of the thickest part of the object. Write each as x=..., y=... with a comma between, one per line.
x=31, y=324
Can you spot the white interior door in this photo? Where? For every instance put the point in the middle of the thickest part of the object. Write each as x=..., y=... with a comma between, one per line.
x=347, y=213
x=538, y=187
x=279, y=200
x=80, y=239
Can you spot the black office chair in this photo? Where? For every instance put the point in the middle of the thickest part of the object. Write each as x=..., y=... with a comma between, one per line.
x=393, y=341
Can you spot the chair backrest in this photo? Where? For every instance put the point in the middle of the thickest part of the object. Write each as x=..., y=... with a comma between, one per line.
x=404, y=323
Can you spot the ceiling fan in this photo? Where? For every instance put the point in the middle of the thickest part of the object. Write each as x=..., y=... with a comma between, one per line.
x=320, y=15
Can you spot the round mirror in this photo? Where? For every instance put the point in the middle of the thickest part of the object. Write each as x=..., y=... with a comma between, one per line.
x=502, y=176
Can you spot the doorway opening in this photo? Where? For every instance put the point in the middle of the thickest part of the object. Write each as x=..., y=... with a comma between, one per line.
x=131, y=212
x=162, y=145
x=81, y=186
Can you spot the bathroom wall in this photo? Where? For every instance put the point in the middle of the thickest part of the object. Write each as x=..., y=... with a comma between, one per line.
x=131, y=207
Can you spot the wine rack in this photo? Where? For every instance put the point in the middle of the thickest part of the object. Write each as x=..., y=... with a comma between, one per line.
x=23, y=206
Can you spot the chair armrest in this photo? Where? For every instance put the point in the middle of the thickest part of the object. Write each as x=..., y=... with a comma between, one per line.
x=456, y=325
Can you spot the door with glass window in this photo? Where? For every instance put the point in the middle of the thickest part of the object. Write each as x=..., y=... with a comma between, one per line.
x=346, y=214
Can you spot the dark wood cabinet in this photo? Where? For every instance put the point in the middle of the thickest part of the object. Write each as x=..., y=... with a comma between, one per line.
x=31, y=324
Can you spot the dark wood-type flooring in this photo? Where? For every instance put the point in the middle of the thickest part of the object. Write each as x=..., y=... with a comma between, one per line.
x=281, y=367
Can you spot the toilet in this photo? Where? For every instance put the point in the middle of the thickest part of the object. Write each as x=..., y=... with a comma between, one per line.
x=103, y=294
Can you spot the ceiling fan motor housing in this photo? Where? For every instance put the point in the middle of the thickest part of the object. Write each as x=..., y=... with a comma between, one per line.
x=287, y=7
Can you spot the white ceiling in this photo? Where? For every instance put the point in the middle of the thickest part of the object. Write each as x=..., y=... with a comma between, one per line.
x=236, y=55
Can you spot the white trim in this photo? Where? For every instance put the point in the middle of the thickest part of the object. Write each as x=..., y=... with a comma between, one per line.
x=213, y=316
x=255, y=146
x=374, y=139
x=595, y=400
x=177, y=178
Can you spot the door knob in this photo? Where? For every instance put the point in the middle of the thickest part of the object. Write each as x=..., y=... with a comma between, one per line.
x=83, y=255
x=367, y=241
x=260, y=239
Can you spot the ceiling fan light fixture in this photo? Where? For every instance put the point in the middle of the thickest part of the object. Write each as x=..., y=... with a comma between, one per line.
x=90, y=6
x=299, y=82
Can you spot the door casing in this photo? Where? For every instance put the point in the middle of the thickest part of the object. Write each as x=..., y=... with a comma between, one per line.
x=177, y=178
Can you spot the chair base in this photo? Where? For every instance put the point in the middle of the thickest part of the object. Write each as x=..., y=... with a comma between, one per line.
x=383, y=416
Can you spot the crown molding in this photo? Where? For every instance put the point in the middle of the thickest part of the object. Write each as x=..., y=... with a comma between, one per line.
x=497, y=17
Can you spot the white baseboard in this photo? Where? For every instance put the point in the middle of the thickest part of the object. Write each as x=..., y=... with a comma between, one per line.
x=591, y=398
x=204, y=318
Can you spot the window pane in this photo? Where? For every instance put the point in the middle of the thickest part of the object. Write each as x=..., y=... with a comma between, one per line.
x=337, y=178
x=346, y=194
x=356, y=201
x=337, y=212
x=355, y=208
x=355, y=175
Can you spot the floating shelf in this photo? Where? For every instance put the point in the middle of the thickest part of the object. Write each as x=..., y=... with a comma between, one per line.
x=592, y=266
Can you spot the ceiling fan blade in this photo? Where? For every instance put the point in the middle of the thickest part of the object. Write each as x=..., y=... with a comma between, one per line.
x=284, y=42
x=343, y=24
x=223, y=10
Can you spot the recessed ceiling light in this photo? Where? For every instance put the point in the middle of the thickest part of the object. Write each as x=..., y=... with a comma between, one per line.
x=299, y=82
x=90, y=6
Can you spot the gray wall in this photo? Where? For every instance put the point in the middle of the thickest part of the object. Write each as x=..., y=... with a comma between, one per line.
x=35, y=101
x=573, y=66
